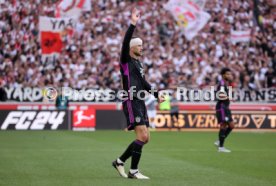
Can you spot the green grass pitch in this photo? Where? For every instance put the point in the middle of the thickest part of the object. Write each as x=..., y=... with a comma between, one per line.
x=38, y=158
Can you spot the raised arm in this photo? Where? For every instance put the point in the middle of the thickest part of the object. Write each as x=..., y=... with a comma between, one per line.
x=135, y=16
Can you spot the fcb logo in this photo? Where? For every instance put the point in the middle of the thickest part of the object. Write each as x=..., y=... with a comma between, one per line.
x=226, y=118
x=137, y=119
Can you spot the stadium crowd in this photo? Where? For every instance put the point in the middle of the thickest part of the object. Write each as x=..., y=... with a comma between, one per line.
x=90, y=57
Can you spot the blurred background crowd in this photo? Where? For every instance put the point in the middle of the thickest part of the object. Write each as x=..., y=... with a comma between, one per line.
x=90, y=58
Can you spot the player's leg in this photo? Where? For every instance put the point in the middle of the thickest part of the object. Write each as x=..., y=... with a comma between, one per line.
x=220, y=120
x=228, y=125
x=222, y=136
x=129, y=150
x=231, y=124
x=229, y=129
x=142, y=137
x=118, y=164
x=221, y=117
x=222, y=132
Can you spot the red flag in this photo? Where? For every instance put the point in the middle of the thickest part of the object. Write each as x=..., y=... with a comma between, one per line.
x=51, y=42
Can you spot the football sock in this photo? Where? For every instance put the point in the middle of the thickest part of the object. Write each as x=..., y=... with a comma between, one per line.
x=127, y=152
x=136, y=154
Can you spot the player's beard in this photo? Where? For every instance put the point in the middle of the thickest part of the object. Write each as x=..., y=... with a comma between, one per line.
x=138, y=54
x=229, y=80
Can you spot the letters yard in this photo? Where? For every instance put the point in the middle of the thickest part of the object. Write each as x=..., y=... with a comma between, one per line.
x=171, y=158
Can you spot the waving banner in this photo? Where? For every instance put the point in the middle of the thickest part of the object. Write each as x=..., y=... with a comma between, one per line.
x=240, y=36
x=200, y=3
x=189, y=16
x=72, y=8
x=51, y=31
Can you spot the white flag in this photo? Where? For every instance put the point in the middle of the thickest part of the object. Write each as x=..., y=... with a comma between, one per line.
x=240, y=36
x=189, y=16
x=50, y=35
x=200, y=3
x=72, y=8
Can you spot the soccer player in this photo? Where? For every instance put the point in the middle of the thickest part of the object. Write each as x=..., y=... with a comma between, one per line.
x=223, y=111
x=135, y=109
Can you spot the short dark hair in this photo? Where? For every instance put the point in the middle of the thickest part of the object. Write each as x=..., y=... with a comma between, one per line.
x=224, y=70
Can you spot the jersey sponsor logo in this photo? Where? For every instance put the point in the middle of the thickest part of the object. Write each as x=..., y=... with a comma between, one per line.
x=142, y=72
x=33, y=120
x=139, y=65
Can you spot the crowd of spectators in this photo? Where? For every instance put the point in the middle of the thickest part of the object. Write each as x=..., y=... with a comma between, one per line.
x=90, y=58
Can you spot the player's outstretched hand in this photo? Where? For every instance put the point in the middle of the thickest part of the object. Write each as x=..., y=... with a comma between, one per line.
x=135, y=16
